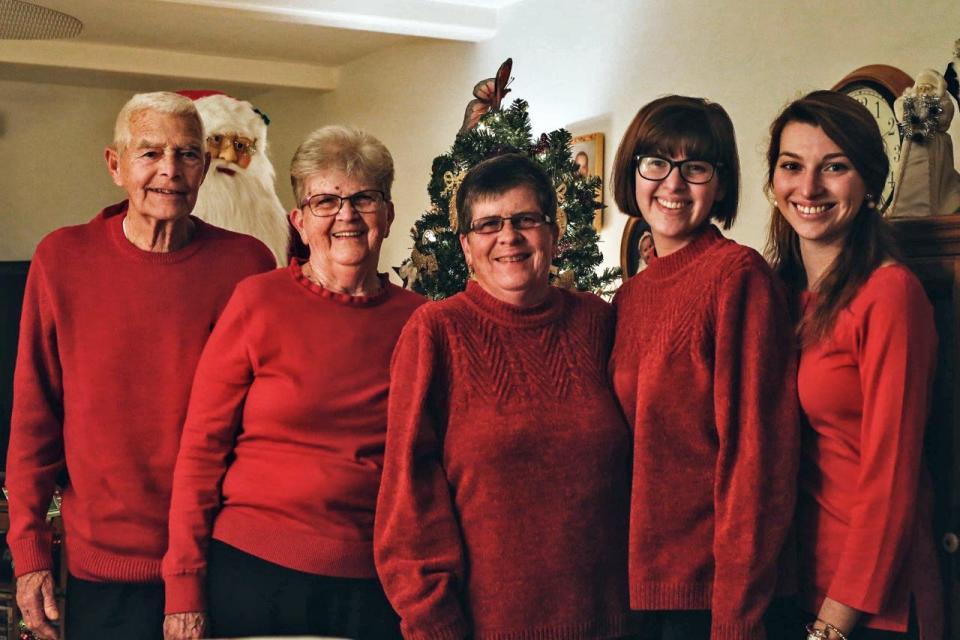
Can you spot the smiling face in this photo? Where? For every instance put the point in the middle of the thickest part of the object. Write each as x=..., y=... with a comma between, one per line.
x=675, y=210
x=348, y=239
x=512, y=265
x=817, y=189
x=162, y=167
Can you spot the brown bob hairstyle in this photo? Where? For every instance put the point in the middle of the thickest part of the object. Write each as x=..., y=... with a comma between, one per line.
x=869, y=240
x=680, y=126
x=499, y=174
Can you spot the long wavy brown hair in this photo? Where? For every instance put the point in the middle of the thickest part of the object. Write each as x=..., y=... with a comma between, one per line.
x=868, y=243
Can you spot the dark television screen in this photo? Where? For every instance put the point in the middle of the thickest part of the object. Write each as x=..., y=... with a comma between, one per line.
x=13, y=277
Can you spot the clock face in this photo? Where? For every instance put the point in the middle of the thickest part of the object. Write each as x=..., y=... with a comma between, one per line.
x=882, y=111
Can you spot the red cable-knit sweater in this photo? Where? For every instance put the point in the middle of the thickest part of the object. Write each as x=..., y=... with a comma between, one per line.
x=110, y=336
x=704, y=367
x=503, y=509
x=283, y=444
x=864, y=518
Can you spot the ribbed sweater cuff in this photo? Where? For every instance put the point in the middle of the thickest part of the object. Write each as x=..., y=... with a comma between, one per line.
x=646, y=596
x=184, y=593
x=31, y=554
x=737, y=631
x=456, y=630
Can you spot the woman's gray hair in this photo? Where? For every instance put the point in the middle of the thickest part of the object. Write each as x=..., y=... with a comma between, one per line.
x=342, y=148
x=159, y=102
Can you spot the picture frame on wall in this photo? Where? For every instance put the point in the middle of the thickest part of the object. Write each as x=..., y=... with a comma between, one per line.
x=587, y=153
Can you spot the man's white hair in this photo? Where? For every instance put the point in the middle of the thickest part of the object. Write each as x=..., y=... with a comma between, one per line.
x=158, y=102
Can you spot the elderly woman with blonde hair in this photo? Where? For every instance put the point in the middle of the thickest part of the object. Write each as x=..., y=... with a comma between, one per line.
x=271, y=521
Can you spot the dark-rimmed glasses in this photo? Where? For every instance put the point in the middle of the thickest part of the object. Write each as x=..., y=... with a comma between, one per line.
x=523, y=220
x=657, y=168
x=324, y=205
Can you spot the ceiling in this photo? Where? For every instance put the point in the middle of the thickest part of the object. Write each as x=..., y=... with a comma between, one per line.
x=289, y=43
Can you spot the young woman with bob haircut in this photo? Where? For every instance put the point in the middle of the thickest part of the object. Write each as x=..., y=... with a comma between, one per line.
x=703, y=366
x=867, y=359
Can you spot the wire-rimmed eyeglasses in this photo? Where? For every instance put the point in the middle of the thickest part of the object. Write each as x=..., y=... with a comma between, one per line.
x=324, y=205
x=522, y=220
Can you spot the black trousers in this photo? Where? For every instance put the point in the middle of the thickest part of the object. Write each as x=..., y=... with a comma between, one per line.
x=248, y=596
x=114, y=610
x=783, y=621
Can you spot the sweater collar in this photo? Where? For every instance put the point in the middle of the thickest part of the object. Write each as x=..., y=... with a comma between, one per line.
x=678, y=260
x=508, y=314
x=296, y=272
x=113, y=217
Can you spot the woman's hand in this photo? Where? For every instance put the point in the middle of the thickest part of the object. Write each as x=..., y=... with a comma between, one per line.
x=185, y=626
x=37, y=604
x=838, y=615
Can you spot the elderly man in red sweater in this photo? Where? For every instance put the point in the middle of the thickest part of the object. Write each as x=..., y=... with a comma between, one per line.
x=115, y=315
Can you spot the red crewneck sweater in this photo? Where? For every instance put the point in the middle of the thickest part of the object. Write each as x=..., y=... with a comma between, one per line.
x=864, y=518
x=503, y=509
x=283, y=444
x=704, y=367
x=110, y=336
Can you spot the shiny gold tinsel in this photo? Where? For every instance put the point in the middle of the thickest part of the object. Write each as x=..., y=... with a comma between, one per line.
x=452, y=182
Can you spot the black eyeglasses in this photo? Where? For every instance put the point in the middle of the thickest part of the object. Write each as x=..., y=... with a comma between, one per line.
x=324, y=205
x=524, y=220
x=657, y=168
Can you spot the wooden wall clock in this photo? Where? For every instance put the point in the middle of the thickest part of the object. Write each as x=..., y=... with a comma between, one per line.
x=876, y=86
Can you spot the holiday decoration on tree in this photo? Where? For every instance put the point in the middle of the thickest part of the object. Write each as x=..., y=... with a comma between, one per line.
x=436, y=267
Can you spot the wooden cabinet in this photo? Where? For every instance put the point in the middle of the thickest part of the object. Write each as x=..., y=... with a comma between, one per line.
x=9, y=614
x=932, y=249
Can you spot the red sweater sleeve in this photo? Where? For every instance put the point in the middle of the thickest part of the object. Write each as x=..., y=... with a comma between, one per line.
x=897, y=345
x=418, y=548
x=223, y=377
x=757, y=418
x=35, y=453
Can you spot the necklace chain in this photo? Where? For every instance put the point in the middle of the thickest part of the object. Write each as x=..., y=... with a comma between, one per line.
x=312, y=276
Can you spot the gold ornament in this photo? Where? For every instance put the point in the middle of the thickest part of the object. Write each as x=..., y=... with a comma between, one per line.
x=561, y=193
x=561, y=222
x=561, y=214
x=567, y=280
x=452, y=182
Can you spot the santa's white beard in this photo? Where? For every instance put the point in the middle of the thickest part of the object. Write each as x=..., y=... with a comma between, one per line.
x=241, y=202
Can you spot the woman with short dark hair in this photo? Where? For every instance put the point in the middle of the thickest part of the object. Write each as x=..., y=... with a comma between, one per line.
x=503, y=508
x=868, y=567
x=703, y=366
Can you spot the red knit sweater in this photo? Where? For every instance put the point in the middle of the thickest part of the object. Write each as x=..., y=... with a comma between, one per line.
x=283, y=444
x=109, y=339
x=865, y=496
x=704, y=368
x=503, y=508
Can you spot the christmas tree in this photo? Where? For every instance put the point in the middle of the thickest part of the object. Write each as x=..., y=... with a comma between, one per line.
x=436, y=267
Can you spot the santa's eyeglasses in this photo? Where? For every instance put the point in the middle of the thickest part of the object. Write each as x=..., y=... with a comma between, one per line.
x=217, y=143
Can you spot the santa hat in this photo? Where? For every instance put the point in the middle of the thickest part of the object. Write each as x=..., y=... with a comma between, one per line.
x=222, y=113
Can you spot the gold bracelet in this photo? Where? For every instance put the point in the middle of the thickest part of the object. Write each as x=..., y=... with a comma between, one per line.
x=823, y=634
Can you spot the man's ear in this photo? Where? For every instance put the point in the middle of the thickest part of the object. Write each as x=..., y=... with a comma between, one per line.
x=206, y=165
x=113, y=165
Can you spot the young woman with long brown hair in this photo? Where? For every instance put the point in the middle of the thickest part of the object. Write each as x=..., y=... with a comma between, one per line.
x=868, y=345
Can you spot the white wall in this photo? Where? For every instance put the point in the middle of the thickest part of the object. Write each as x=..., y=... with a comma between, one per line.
x=589, y=66
x=52, y=138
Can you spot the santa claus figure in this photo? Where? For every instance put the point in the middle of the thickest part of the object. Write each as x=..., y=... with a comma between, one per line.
x=238, y=192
